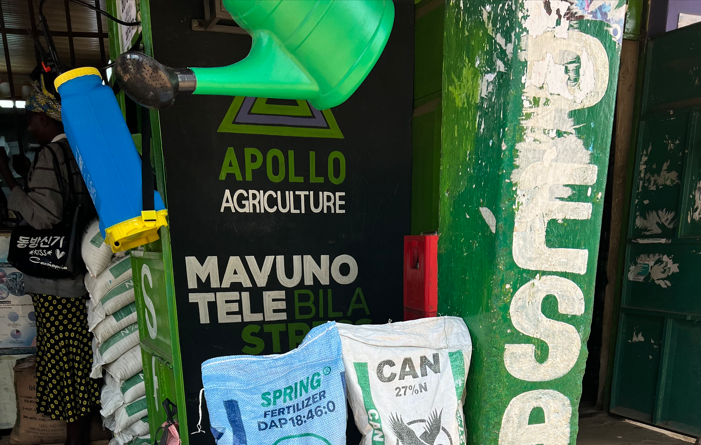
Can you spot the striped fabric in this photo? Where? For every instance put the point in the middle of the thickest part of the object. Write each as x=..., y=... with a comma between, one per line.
x=42, y=205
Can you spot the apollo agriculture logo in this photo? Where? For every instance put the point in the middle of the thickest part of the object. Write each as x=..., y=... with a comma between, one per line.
x=276, y=117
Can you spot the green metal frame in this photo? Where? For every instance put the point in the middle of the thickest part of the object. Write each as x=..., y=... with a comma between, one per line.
x=164, y=232
x=162, y=247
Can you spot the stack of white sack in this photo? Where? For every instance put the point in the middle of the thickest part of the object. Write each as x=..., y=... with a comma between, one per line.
x=112, y=319
x=124, y=408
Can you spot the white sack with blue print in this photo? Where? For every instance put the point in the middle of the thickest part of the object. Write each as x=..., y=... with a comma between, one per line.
x=294, y=398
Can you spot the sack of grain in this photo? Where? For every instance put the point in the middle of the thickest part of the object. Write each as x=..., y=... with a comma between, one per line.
x=137, y=429
x=133, y=388
x=114, y=323
x=96, y=313
x=96, y=372
x=297, y=397
x=30, y=427
x=118, y=297
x=126, y=366
x=118, y=271
x=110, y=397
x=406, y=381
x=109, y=422
x=96, y=254
x=129, y=413
x=114, y=348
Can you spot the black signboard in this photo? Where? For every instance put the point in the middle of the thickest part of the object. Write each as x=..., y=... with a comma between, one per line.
x=282, y=217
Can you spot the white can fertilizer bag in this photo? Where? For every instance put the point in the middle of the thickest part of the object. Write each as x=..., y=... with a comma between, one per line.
x=129, y=413
x=406, y=381
x=126, y=366
x=133, y=388
x=118, y=271
x=114, y=323
x=118, y=297
x=110, y=397
x=119, y=343
x=96, y=254
x=96, y=313
x=143, y=440
x=137, y=429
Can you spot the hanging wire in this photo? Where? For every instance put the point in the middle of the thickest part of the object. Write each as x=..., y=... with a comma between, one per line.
x=47, y=34
x=95, y=8
x=109, y=16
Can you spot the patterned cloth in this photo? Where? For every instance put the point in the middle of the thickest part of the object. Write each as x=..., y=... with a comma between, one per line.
x=65, y=390
x=41, y=101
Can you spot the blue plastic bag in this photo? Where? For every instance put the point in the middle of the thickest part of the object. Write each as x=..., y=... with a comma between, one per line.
x=297, y=398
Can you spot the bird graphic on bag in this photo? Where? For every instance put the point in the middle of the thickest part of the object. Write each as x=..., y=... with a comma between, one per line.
x=407, y=436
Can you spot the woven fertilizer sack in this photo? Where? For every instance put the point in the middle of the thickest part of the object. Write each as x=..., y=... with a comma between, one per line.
x=109, y=423
x=30, y=427
x=126, y=366
x=118, y=297
x=143, y=440
x=297, y=397
x=406, y=381
x=96, y=313
x=133, y=388
x=129, y=413
x=96, y=372
x=111, y=397
x=118, y=271
x=134, y=431
x=96, y=254
x=115, y=347
x=114, y=323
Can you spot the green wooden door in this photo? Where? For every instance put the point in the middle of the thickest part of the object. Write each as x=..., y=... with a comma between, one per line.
x=658, y=355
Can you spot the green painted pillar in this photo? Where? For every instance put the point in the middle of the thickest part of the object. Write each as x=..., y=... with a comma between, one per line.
x=528, y=100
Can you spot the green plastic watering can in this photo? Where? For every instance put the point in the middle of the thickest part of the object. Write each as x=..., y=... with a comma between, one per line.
x=315, y=50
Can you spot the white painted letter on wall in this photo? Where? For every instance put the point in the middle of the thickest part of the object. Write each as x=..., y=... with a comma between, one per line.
x=515, y=429
x=563, y=340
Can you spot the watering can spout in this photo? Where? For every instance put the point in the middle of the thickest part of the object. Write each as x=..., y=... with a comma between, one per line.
x=268, y=71
x=315, y=50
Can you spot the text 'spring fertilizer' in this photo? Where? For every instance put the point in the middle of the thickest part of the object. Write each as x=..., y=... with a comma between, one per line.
x=406, y=381
x=297, y=398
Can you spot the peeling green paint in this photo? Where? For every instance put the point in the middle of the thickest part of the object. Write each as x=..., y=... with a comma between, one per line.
x=527, y=117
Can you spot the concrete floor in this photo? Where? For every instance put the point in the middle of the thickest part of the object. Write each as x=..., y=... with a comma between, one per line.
x=603, y=429
x=594, y=429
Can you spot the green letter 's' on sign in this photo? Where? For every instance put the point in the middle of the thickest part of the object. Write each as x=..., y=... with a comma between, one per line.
x=527, y=118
